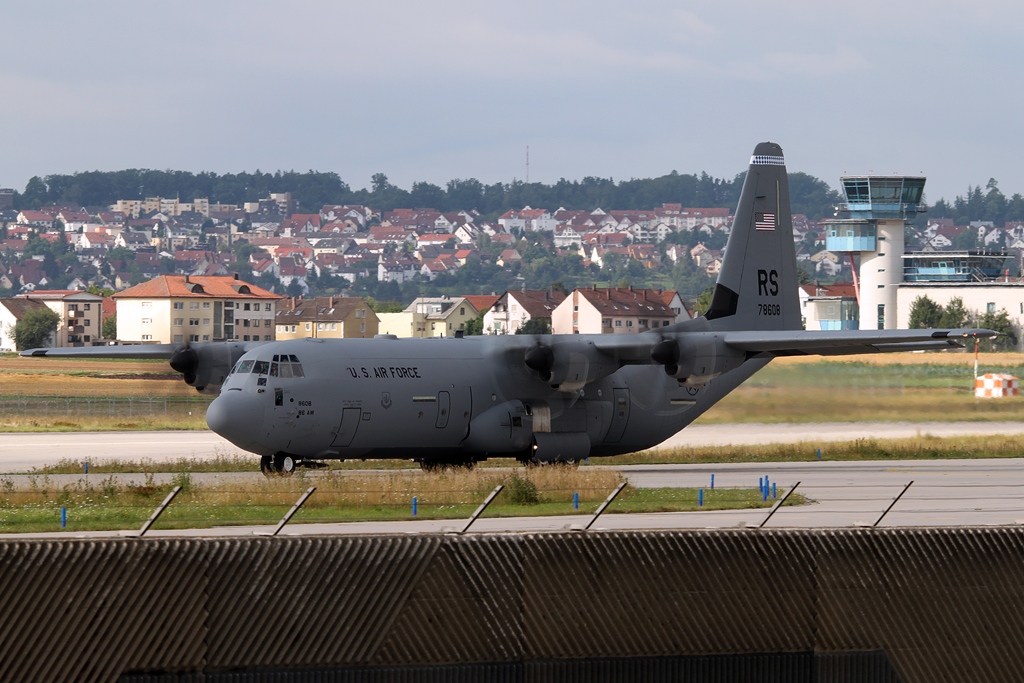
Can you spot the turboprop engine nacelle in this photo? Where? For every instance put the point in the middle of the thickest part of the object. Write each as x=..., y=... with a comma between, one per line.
x=205, y=366
x=696, y=359
x=569, y=365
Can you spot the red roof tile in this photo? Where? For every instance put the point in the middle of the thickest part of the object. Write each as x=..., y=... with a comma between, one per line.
x=220, y=286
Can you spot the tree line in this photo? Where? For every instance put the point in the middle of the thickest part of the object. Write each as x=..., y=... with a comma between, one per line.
x=313, y=189
x=977, y=205
x=927, y=314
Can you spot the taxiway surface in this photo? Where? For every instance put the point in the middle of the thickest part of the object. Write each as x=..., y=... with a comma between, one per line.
x=21, y=452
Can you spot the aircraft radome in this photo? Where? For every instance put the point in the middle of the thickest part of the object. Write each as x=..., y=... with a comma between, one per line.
x=544, y=398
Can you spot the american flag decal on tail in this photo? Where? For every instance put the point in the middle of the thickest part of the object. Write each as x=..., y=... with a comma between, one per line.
x=764, y=221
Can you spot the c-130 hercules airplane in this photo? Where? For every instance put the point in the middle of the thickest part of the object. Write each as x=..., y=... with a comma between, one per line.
x=540, y=398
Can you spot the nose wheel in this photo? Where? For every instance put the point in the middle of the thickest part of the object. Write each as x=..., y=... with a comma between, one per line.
x=279, y=463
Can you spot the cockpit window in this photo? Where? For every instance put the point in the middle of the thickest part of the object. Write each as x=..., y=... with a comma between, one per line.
x=286, y=365
x=242, y=367
x=261, y=367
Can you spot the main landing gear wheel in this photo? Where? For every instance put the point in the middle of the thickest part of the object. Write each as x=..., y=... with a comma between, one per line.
x=284, y=463
x=281, y=463
x=441, y=465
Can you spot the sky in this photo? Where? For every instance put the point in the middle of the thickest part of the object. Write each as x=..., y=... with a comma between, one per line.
x=431, y=91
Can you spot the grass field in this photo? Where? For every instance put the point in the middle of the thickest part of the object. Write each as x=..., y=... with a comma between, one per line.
x=41, y=394
x=342, y=497
x=45, y=394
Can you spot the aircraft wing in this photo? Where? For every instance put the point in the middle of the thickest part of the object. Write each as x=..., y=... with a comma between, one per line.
x=833, y=343
x=140, y=351
x=202, y=365
x=694, y=357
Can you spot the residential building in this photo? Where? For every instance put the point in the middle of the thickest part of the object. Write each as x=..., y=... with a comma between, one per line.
x=80, y=315
x=11, y=311
x=612, y=311
x=829, y=307
x=326, y=318
x=515, y=308
x=430, y=317
x=181, y=308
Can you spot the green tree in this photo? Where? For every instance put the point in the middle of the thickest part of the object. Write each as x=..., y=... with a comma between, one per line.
x=121, y=254
x=704, y=301
x=925, y=314
x=475, y=326
x=110, y=327
x=384, y=306
x=954, y=315
x=535, y=326
x=1000, y=322
x=35, y=329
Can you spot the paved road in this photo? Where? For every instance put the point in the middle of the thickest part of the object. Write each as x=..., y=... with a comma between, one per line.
x=21, y=452
x=756, y=433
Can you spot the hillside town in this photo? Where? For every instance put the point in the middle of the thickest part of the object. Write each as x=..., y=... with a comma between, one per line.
x=170, y=271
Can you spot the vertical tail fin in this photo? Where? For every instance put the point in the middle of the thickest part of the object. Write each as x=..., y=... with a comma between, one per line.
x=757, y=286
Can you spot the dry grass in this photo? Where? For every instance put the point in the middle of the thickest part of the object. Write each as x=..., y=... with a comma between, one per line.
x=334, y=488
x=344, y=497
x=918, y=448
x=963, y=357
x=87, y=377
x=857, y=404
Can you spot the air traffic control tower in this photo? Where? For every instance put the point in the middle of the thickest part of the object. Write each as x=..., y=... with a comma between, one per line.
x=871, y=223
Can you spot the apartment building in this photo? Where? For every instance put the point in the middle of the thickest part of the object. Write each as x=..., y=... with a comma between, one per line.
x=80, y=315
x=182, y=308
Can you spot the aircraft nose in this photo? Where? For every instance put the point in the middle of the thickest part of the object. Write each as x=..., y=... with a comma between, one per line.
x=237, y=417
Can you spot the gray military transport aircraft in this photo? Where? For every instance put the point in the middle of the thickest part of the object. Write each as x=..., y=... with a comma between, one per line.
x=541, y=398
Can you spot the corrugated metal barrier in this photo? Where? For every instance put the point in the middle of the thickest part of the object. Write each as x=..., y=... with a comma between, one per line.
x=786, y=605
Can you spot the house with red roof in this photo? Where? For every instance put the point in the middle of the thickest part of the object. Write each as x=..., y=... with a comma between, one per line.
x=612, y=310
x=515, y=308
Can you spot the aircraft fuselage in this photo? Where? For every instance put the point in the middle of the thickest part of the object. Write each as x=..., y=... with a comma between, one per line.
x=444, y=400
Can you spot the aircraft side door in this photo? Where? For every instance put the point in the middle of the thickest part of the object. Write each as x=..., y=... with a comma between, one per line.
x=350, y=418
x=279, y=417
x=620, y=415
x=454, y=410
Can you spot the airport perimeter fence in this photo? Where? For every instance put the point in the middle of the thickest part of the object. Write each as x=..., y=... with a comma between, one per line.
x=103, y=406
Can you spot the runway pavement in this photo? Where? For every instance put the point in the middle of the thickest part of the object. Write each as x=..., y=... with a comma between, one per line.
x=843, y=494
x=21, y=452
